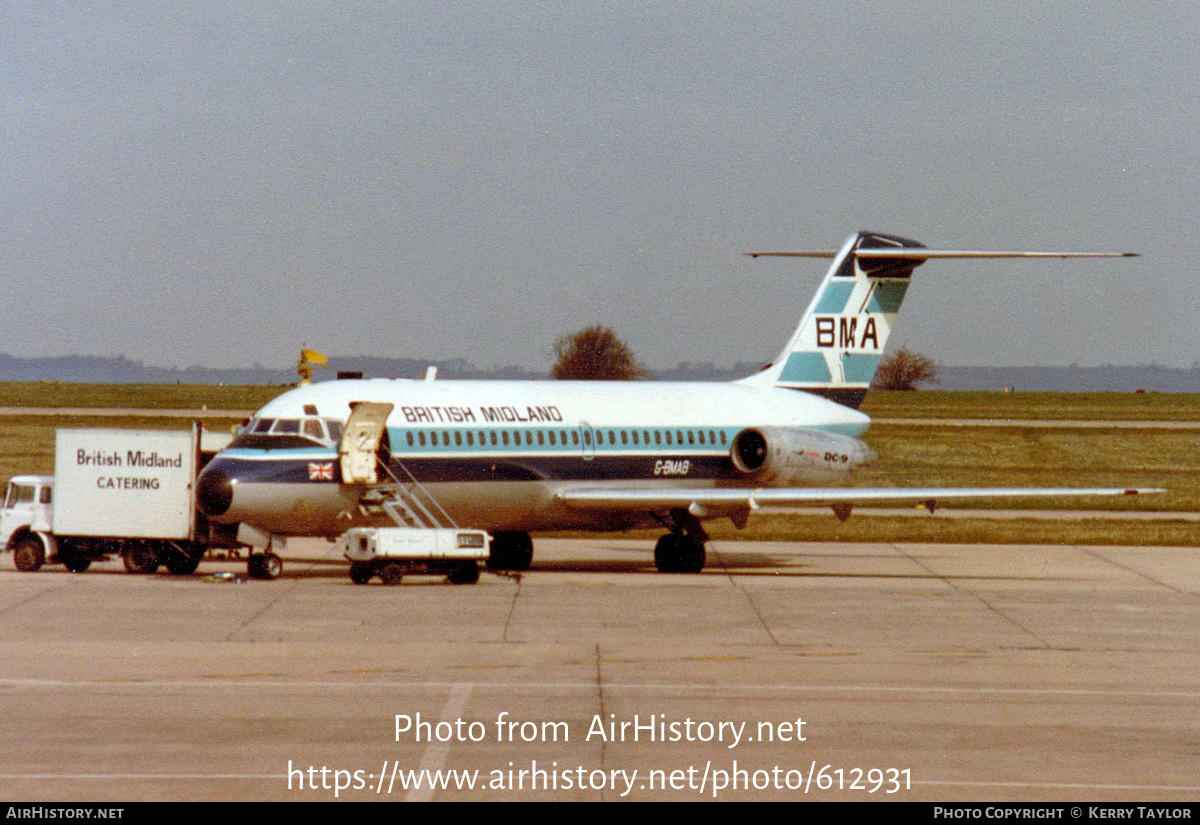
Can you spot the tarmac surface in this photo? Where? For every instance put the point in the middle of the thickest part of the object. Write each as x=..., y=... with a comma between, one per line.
x=784, y=671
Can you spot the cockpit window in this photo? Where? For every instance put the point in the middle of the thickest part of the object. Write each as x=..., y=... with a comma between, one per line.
x=282, y=433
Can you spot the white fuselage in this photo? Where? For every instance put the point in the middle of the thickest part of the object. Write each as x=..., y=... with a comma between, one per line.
x=495, y=454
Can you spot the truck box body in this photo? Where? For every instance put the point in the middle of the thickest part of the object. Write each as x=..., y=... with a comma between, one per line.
x=123, y=483
x=365, y=544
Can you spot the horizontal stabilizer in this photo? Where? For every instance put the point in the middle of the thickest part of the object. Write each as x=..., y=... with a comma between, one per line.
x=840, y=340
x=921, y=254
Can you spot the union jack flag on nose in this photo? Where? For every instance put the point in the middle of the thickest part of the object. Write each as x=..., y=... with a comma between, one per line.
x=320, y=471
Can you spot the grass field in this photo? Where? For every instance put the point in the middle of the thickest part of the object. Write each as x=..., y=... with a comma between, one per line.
x=910, y=455
x=1060, y=406
x=139, y=396
x=1104, y=406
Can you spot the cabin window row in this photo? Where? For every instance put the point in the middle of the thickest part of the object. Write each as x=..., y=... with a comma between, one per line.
x=565, y=438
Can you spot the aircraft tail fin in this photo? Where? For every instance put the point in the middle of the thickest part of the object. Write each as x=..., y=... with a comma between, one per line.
x=840, y=340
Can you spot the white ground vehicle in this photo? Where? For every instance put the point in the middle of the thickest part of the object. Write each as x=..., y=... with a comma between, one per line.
x=115, y=492
x=394, y=552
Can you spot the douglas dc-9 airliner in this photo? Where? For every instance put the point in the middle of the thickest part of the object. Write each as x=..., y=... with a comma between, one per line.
x=518, y=456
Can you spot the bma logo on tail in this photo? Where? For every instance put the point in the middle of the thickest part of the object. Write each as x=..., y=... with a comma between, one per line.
x=841, y=333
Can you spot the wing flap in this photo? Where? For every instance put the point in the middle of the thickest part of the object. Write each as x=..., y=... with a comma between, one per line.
x=725, y=499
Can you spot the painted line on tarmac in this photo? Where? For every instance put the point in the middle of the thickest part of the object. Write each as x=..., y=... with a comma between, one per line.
x=467, y=687
x=435, y=755
x=945, y=783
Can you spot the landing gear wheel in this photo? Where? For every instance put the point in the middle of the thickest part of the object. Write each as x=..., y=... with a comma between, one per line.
x=466, y=573
x=693, y=556
x=76, y=563
x=391, y=573
x=679, y=554
x=28, y=555
x=361, y=573
x=141, y=558
x=666, y=554
x=510, y=551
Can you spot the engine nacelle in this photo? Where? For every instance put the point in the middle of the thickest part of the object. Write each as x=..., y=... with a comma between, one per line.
x=779, y=456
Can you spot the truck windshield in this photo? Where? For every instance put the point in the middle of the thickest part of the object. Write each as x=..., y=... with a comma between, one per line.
x=19, y=494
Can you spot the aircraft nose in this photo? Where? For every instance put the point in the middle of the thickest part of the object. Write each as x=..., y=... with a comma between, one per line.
x=214, y=492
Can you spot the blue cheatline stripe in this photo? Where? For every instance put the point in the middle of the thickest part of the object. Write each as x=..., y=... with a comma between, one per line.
x=313, y=453
x=886, y=296
x=859, y=368
x=805, y=367
x=834, y=298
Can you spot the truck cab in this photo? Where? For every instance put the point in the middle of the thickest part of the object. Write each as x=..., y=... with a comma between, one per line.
x=26, y=521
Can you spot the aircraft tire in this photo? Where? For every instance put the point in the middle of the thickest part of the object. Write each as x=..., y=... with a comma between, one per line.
x=466, y=573
x=28, y=555
x=666, y=554
x=254, y=566
x=141, y=557
x=679, y=554
x=510, y=551
x=692, y=556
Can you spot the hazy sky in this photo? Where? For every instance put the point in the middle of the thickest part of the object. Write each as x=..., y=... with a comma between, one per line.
x=216, y=183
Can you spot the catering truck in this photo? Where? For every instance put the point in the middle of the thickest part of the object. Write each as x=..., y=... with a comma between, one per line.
x=117, y=492
x=394, y=552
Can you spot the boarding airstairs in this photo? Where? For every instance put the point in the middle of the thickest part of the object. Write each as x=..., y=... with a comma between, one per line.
x=400, y=496
x=407, y=502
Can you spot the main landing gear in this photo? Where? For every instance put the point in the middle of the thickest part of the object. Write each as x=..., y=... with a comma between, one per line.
x=681, y=550
x=511, y=550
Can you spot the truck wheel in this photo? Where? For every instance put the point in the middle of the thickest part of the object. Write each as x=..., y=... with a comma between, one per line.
x=28, y=555
x=181, y=564
x=141, y=558
x=76, y=563
x=361, y=573
x=391, y=573
x=465, y=573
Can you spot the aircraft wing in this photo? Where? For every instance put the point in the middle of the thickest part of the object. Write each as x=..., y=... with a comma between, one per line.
x=712, y=501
